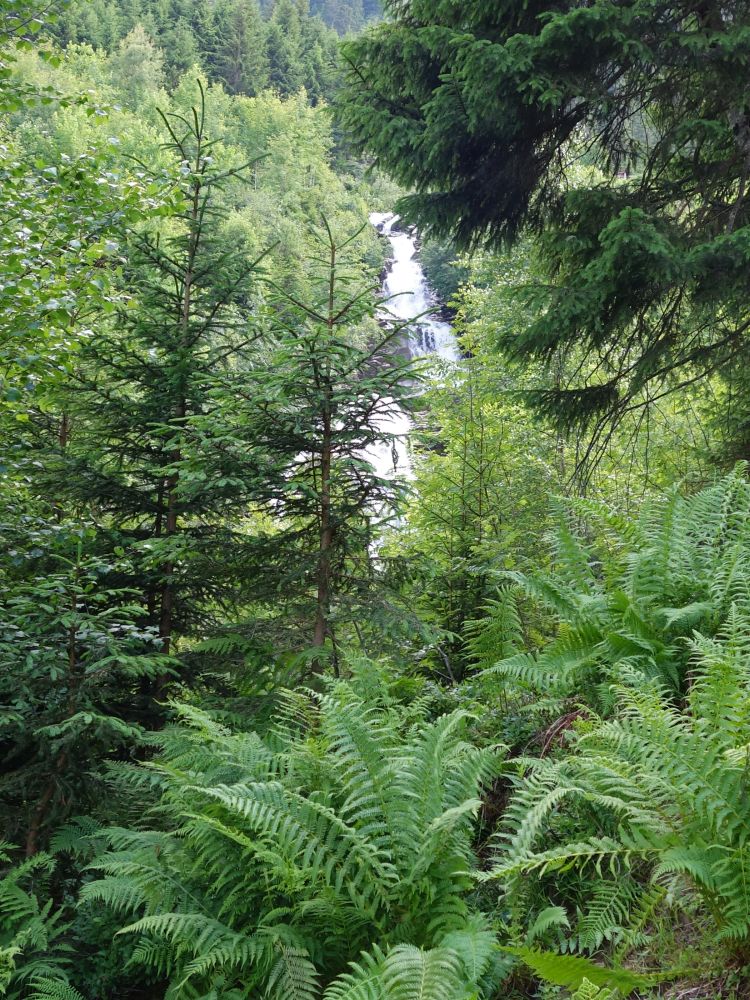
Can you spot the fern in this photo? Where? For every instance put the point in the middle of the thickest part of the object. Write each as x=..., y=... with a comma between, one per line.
x=684, y=566
x=573, y=971
x=363, y=982
x=77, y=837
x=405, y=973
x=605, y=915
x=551, y=916
x=293, y=977
x=53, y=989
x=285, y=858
x=32, y=933
x=588, y=991
x=497, y=634
x=657, y=791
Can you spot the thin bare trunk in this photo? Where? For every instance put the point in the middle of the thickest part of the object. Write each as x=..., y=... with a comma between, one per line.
x=167, y=590
x=324, y=549
x=40, y=814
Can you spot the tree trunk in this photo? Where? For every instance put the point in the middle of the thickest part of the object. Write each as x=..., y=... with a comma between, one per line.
x=41, y=812
x=170, y=486
x=39, y=816
x=323, y=604
x=325, y=545
x=167, y=590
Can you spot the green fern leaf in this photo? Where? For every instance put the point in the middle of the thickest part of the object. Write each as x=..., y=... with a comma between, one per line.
x=572, y=970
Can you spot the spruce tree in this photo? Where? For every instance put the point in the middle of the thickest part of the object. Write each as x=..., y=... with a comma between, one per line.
x=75, y=667
x=140, y=380
x=320, y=59
x=483, y=109
x=285, y=47
x=319, y=405
x=240, y=58
x=345, y=16
x=181, y=49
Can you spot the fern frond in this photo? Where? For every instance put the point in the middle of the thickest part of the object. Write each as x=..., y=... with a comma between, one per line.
x=588, y=991
x=293, y=977
x=572, y=970
x=364, y=982
x=75, y=837
x=475, y=945
x=606, y=914
x=412, y=974
x=53, y=989
x=550, y=916
x=302, y=828
x=498, y=634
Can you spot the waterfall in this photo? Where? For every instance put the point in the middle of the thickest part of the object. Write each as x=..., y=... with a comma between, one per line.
x=407, y=295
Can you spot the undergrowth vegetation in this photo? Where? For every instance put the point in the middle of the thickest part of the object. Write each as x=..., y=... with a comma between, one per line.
x=348, y=848
x=343, y=834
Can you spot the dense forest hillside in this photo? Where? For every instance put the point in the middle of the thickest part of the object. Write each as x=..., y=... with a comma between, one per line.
x=374, y=500
x=247, y=46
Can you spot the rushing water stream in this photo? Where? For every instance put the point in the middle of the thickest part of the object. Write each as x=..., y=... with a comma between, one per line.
x=408, y=296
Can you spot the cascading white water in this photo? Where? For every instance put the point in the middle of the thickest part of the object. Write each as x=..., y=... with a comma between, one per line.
x=408, y=296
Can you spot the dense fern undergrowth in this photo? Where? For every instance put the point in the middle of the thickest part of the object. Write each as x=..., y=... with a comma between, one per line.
x=376, y=838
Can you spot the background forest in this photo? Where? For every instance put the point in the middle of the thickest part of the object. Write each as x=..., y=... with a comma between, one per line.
x=331, y=668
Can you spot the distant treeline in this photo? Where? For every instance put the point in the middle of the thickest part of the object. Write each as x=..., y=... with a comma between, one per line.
x=246, y=45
